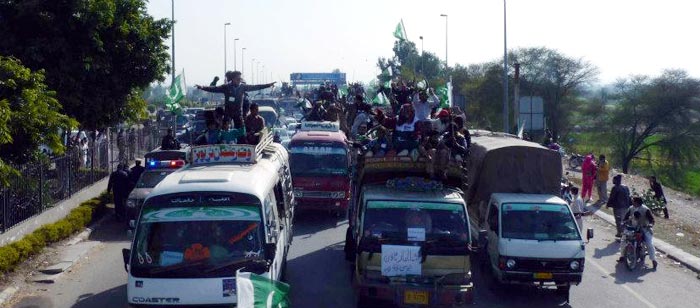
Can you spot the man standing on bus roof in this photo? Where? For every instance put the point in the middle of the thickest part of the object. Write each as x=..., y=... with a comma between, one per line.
x=234, y=92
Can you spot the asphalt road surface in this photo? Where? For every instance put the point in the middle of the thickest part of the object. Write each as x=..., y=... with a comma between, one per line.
x=320, y=277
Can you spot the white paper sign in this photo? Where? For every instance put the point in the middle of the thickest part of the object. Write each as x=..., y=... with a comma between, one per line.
x=416, y=234
x=170, y=258
x=401, y=260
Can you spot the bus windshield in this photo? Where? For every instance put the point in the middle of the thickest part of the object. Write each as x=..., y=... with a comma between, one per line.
x=545, y=222
x=198, y=242
x=318, y=160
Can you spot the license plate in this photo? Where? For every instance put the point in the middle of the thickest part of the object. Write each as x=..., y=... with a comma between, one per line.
x=543, y=275
x=416, y=297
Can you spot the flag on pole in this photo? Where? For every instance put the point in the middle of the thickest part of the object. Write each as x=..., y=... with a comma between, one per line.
x=400, y=32
x=177, y=92
x=255, y=291
x=442, y=94
x=380, y=99
x=343, y=90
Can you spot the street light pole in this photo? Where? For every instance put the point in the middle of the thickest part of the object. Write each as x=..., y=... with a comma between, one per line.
x=252, y=71
x=242, y=60
x=505, y=73
x=225, y=66
x=235, y=64
x=446, y=63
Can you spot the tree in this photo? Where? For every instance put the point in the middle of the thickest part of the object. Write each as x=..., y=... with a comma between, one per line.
x=94, y=53
x=661, y=112
x=558, y=79
x=29, y=115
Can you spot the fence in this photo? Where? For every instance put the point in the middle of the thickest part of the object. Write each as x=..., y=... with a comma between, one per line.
x=40, y=185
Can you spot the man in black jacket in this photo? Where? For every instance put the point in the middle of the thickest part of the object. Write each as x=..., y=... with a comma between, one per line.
x=234, y=92
x=119, y=186
x=619, y=200
x=659, y=193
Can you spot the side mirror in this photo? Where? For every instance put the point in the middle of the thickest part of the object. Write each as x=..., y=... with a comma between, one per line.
x=483, y=238
x=126, y=253
x=132, y=224
x=130, y=234
x=270, y=251
x=589, y=234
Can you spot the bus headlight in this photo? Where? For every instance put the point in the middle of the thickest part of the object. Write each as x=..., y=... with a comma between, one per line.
x=510, y=264
x=298, y=193
x=574, y=265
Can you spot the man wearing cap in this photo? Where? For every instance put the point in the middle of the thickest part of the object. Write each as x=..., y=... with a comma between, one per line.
x=234, y=92
x=443, y=120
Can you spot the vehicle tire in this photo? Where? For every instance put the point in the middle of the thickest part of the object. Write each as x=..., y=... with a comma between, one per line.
x=641, y=253
x=364, y=302
x=564, y=291
x=349, y=247
x=630, y=257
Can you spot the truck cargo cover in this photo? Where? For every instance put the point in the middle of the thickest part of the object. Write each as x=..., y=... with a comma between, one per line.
x=501, y=164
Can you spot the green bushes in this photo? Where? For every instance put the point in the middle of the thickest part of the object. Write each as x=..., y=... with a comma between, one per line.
x=13, y=254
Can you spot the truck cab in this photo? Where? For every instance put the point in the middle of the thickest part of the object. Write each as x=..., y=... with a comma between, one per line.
x=320, y=160
x=533, y=239
x=409, y=237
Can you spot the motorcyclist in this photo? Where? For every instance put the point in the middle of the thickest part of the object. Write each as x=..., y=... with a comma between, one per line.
x=640, y=215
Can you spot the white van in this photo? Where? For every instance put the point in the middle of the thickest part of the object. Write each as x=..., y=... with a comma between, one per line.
x=230, y=209
x=533, y=239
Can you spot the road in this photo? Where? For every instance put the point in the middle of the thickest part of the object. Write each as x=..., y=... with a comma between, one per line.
x=320, y=277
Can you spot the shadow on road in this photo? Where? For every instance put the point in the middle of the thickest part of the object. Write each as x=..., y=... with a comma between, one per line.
x=112, y=298
x=613, y=248
x=110, y=231
x=311, y=222
x=310, y=274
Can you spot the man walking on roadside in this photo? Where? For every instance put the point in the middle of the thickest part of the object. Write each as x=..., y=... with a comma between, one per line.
x=601, y=180
x=118, y=185
x=619, y=201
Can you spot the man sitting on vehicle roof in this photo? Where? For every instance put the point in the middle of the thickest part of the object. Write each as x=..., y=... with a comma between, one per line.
x=229, y=135
x=254, y=124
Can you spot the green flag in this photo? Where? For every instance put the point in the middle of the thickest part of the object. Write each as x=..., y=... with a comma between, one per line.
x=177, y=92
x=400, y=32
x=442, y=94
x=255, y=291
x=380, y=99
x=343, y=90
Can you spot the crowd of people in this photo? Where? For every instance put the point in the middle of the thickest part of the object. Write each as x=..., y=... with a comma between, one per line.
x=411, y=124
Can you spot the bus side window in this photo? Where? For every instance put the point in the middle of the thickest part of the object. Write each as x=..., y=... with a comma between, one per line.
x=281, y=202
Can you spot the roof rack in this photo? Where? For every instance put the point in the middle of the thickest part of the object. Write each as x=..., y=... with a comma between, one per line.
x=231, y=153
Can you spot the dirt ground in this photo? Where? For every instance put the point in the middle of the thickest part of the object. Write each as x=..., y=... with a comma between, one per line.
x=682, y=229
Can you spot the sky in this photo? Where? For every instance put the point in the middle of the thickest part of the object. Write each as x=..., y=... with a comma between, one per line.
x=620, y=37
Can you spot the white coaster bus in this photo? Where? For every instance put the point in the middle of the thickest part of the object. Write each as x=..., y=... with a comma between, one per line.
x=230, y=209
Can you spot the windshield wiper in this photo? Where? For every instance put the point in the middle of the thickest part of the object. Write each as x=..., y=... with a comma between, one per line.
x=256, y=262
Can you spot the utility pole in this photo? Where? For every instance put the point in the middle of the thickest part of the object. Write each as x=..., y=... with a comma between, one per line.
x=172, y=22
x=421, y=55
x=252, y=71
x=505, y=73
x=446, y=63
x=516, y=97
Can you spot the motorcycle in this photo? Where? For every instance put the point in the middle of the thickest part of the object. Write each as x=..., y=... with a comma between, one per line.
x=575, y=161
x=635, y=249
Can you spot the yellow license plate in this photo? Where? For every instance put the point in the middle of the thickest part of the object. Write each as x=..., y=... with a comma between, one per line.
x=543, y=275
x=416, y=297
